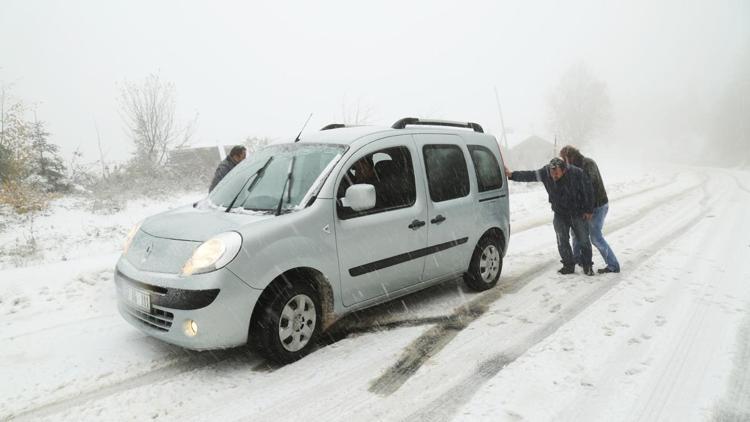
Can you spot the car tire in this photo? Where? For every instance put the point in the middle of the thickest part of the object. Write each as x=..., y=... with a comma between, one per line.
x=486, y=264
x=288, y=325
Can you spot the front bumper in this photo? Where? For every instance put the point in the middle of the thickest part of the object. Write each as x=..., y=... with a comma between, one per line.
x=219, y=302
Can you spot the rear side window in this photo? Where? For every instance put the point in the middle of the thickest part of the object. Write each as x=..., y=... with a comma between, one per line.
x=447, y=175
x=487, y=168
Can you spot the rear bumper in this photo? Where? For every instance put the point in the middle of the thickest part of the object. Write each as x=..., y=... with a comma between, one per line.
x=220, y=304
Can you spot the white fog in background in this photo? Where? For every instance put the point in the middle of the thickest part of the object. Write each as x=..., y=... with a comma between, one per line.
x=677, y=72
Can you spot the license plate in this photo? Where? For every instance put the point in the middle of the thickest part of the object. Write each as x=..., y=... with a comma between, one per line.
x=138, y=298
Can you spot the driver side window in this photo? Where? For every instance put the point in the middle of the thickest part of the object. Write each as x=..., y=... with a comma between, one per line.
x=390, y=171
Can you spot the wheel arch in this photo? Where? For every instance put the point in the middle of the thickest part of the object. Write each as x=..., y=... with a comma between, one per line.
x=299, y=275
x=498, y=234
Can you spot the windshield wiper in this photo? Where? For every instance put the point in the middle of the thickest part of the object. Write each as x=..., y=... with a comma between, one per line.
x=254, y=177
x=288, y=183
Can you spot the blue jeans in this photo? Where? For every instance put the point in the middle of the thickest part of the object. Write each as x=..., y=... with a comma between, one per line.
x=597, y=239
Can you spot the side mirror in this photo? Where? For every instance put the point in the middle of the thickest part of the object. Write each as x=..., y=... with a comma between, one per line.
x=360, y=197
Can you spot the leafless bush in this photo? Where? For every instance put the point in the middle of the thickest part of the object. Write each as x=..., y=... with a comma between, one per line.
x=23, y=197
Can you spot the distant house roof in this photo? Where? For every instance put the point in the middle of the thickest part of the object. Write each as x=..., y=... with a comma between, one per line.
x=199, y=155
x=532, y=153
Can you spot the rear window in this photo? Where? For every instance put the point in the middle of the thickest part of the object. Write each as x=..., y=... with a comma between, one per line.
x=489, y=176
x=447, y=174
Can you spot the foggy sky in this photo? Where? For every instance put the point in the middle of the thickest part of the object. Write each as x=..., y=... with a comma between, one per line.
x=258, y=69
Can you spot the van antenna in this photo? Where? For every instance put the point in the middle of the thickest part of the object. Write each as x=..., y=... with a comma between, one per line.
x=303, y=128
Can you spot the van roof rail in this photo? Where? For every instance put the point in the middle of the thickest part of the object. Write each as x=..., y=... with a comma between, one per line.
x=402, y=123
x=333, y=126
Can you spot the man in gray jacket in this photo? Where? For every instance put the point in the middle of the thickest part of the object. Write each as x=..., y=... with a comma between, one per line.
x=571, y=155
x=236, y=155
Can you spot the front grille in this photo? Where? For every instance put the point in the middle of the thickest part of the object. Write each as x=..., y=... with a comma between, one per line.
x=158, y=319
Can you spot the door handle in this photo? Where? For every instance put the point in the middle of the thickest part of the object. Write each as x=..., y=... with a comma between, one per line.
x=416, y=224
x=437, y=220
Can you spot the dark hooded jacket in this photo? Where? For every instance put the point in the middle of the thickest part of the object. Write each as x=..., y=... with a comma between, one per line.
x=592, y=171
x=571, y=196
x=224, y=168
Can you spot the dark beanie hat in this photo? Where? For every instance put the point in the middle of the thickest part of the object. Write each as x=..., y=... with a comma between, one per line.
x=557, y=163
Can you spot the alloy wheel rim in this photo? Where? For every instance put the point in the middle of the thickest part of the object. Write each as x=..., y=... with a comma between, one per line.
x=489, y=263
x=297, y=323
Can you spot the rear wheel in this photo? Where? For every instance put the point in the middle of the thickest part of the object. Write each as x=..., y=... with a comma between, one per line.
x=486, y=264
x=289, y=323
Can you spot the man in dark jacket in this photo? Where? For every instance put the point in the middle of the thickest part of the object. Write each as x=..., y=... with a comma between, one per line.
x=571, y=195
x=571, y=155
x=236, y=155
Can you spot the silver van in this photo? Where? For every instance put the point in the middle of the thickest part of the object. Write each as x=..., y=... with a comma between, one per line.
x=299, y=234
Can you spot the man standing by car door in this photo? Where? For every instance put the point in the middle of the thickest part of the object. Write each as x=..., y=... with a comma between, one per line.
x=237, y=154
x=572, y=155
x=571, y=196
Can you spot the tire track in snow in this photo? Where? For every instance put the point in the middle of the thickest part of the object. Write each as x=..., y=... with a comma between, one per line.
x=738, y=181
x=668, y=380
x=430, y=342
x=645, y=190
x=194, y=361
x=59, y=326
x=735, y=406
x=437, y=337
x=541, y=221
x=447, y=404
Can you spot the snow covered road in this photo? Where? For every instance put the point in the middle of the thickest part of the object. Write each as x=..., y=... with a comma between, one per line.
x=666, y=339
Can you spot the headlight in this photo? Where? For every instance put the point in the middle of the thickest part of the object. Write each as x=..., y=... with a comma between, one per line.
x=213, y=253
x=129, y=239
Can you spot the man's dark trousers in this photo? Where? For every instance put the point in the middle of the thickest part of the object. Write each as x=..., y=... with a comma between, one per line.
x=580, y=227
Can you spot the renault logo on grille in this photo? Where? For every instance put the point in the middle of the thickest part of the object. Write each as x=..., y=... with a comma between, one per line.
x=149, y=249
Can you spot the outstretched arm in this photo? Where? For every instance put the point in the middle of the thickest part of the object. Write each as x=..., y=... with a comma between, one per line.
x=526, y=175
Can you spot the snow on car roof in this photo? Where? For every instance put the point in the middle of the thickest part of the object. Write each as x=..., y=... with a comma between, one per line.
x=345, y=135
x=349, y=135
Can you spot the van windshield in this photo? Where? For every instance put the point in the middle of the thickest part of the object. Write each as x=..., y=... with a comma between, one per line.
x=278, y=173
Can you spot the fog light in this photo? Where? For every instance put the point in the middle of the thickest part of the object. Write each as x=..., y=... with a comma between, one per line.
x=191, y=328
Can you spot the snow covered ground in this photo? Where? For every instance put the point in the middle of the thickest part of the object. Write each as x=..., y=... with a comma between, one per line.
x=666, y=339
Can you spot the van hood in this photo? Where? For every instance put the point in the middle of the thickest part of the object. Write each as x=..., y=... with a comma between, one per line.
x=198, y=225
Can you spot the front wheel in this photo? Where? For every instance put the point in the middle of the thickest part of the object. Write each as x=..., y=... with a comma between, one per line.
x=486, y=264
x=289, y=323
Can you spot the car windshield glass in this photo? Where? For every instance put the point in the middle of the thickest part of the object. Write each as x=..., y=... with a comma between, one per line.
x=264, y=193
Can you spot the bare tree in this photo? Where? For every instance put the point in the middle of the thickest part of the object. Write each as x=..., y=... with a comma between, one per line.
x=255, y=143
x=148, y=110
x=579, y=106
x=355, y=113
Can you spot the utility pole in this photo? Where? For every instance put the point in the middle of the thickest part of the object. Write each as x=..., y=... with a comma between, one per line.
x=502, y=122
x=101, y=152
x=554, y=152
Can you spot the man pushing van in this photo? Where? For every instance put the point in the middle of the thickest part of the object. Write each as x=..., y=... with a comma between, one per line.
x=572, y=198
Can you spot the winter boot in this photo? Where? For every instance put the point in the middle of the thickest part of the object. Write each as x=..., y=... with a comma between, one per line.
x=588, y=270
x=566, y=270
x=606, y=270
